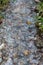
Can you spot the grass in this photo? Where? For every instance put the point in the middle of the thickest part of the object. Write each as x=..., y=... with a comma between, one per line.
x=3, y=4
x=39, y=17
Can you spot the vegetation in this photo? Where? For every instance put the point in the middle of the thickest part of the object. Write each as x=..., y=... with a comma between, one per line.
x=39, y=23
x=3, y=4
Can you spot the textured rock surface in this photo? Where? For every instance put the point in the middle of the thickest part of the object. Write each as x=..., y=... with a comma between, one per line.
x=19, y=36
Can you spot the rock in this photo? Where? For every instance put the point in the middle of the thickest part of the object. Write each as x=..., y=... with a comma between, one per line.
x=26, y=52
x=9, y=62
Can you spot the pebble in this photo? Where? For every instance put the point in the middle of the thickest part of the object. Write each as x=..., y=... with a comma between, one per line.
x=28, y=22
x=26, y=52
x=2, y=46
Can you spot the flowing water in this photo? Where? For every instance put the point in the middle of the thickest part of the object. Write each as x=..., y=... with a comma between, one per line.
x=18, y=35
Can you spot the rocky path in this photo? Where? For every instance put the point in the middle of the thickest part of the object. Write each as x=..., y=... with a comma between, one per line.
x=17, y=35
